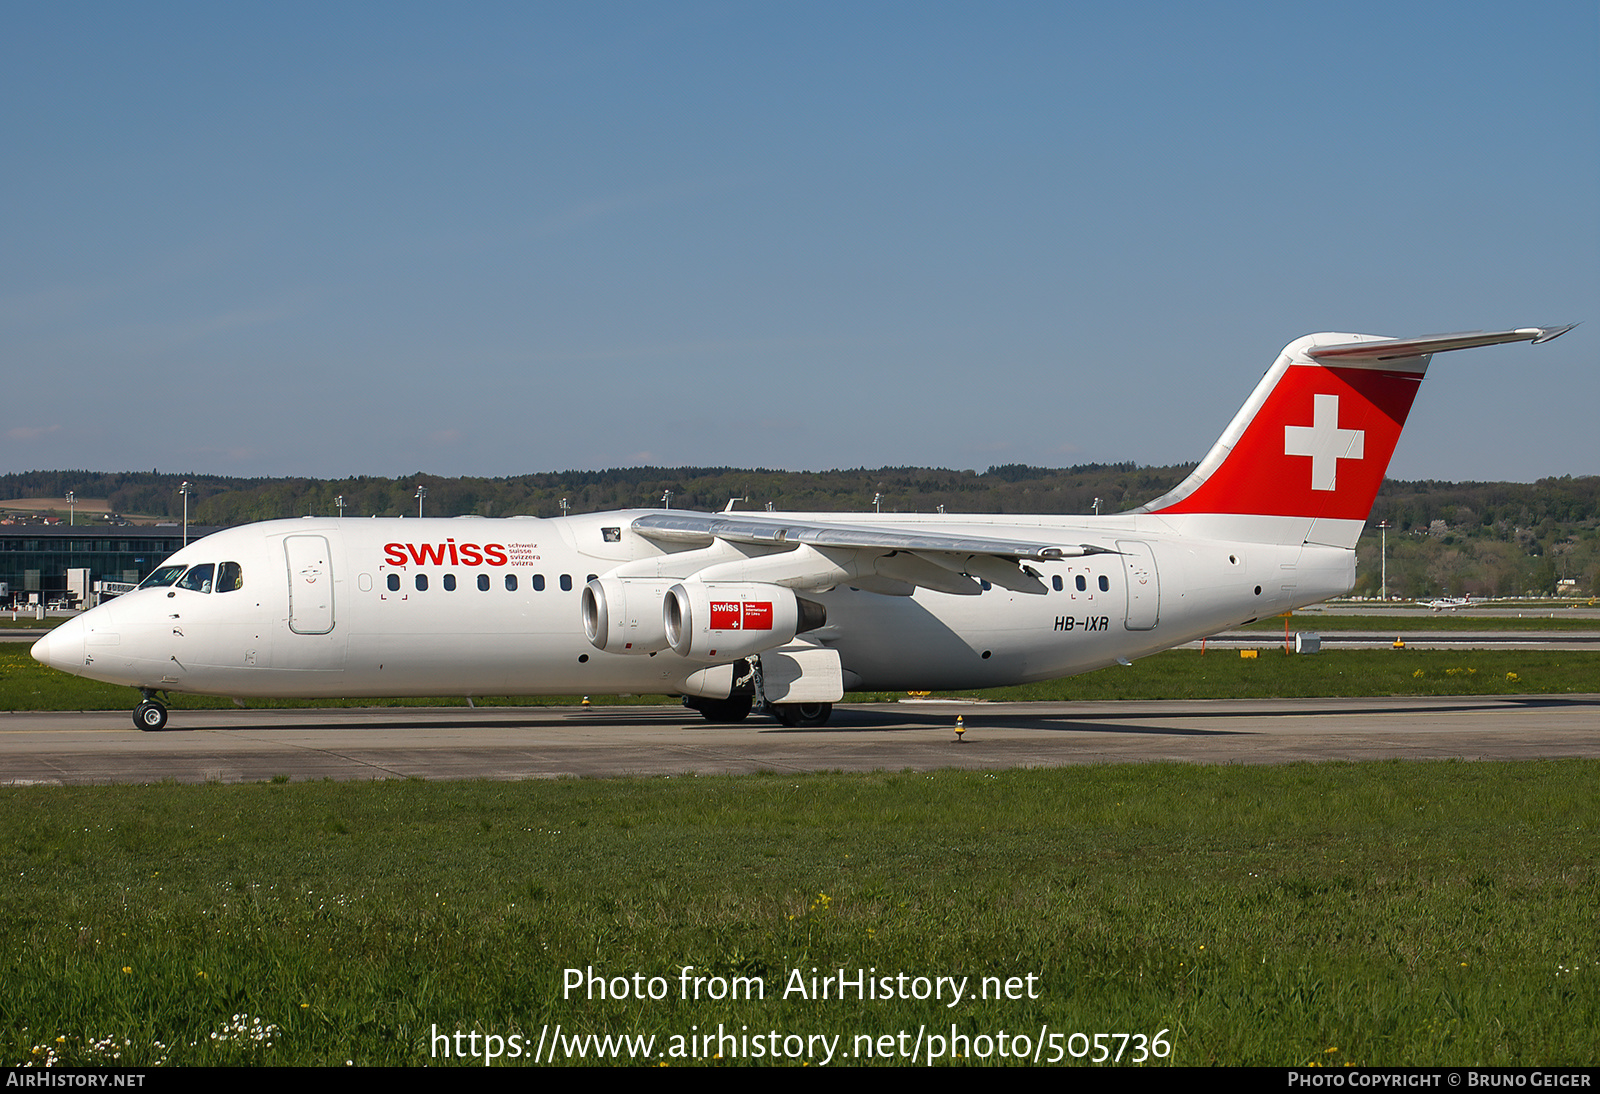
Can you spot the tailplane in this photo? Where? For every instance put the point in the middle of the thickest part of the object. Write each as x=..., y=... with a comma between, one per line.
x=1303, y=459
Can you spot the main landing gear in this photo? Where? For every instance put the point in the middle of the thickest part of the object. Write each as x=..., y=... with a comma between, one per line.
x=800, y=715
x=151, y=714
x=747, y=694
x=723, y=711
x=737, y=709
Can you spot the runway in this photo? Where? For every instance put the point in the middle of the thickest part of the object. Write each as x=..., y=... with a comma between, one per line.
x=1418, y=640
x=548, y=742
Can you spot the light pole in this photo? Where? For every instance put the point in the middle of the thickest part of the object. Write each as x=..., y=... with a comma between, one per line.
x=339, y=501
x=565, y=505
x=186, y=489
x=1383, y=555
x=72, y=509
x=422, y=492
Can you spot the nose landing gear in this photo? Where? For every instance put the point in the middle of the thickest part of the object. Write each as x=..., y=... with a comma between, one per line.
x=150, y=715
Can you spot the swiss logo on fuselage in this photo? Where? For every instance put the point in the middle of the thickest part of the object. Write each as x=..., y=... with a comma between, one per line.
x=448, y=553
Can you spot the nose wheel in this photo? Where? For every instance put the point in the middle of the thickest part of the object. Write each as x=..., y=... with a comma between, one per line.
x=150, y=716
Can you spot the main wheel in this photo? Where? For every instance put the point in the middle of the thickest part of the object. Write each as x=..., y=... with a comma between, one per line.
x=150, y=716
x=734, y=709
x=803, y=714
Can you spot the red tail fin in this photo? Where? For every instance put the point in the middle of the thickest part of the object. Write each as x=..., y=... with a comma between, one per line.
x=1314, y=440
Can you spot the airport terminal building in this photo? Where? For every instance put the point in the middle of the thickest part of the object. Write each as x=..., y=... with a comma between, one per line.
x=49, y=563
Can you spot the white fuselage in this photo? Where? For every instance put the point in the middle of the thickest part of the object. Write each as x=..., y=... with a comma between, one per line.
x=476, y=606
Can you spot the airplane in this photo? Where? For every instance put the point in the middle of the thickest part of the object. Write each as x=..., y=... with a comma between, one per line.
x=781, y=611
x=1450, y=604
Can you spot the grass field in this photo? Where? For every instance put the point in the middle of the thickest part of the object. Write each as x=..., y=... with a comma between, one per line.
x=1391, y=913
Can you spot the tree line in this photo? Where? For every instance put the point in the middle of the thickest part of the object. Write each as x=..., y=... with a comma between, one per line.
x=225, y=501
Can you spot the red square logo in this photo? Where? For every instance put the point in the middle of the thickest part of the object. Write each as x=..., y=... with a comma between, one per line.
x=748, y=615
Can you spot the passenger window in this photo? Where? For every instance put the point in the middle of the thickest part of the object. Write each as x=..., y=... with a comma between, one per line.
x=422, y=583
x=229, y=577
x=1056, y=581
x=566, y=583
x=538, y=583
x=1105, y=583
x=483, y=583
x=1082, y=585
x=394, y=583
x=198, y=578
x=449, y=583
x=511, y=583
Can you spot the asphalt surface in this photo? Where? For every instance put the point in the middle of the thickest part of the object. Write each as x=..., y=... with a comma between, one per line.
x=545, y=742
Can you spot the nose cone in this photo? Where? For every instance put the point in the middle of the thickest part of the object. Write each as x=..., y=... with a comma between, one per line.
x=63, y=647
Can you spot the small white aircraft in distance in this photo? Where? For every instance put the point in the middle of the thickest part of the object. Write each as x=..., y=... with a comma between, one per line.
x=788, y=610
x=1451, y=603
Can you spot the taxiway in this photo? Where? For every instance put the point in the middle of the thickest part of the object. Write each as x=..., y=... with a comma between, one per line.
x=544, y=742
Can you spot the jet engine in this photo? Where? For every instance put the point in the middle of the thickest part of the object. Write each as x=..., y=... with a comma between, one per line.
x=623, y=615
x=726, y=620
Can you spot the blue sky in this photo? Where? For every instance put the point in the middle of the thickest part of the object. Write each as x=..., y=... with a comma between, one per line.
x=488, y=239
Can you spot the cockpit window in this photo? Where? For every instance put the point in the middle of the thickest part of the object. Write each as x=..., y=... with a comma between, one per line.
x=166, y=575
x=230, y=576
x=198, y=578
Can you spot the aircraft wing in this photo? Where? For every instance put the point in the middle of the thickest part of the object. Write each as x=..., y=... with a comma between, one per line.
x=879, y=558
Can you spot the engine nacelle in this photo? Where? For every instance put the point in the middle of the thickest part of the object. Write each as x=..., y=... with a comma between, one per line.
x=726, y=620
x=624, y=615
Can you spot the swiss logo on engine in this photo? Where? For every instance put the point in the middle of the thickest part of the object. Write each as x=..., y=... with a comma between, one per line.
x=741, y=615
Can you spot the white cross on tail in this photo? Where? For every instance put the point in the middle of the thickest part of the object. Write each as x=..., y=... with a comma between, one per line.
x=1324, y=441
